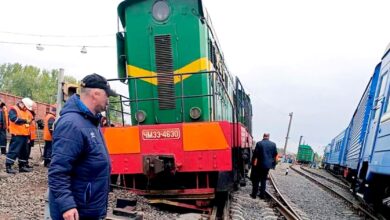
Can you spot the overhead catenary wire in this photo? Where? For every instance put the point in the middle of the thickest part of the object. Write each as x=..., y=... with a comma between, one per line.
x=56, y=45
x=57, y=35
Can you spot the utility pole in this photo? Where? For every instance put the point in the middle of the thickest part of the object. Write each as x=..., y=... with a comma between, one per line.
x=59, y=91
x=300, y=141
x=288, y=133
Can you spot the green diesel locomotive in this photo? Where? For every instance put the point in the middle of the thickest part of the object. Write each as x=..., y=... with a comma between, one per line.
x=191, y=119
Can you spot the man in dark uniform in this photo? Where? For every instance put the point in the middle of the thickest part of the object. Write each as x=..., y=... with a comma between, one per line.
x=263, y=159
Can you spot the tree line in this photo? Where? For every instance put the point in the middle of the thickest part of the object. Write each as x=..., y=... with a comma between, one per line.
x=30, y=81
x=40, y=84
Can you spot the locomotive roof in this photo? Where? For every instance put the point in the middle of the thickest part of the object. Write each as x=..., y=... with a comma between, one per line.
x=123, y=5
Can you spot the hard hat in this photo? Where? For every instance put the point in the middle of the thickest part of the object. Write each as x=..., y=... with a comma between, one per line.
x=28, y=103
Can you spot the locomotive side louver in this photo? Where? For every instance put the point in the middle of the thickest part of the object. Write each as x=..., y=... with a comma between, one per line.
x=164, y=66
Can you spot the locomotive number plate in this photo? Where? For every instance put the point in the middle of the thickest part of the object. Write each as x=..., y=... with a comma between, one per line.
x=158, y=134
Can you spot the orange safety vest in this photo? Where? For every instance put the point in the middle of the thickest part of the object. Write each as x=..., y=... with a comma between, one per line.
x=46, y=131
x=22, y=129
x=33, y=127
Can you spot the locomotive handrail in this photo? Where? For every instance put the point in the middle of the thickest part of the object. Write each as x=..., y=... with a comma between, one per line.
x=177, y=75
x=146, y=77
x=182, y=96
x=123, y=113
x=156, y=99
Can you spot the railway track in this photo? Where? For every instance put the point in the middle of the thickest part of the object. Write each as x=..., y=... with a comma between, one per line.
x=340, y=190
x=239, y=206
x=276, y=206
x=282, y=204
x=234, y=207
x=337, y=182
x=339, y=177
x=243, y=207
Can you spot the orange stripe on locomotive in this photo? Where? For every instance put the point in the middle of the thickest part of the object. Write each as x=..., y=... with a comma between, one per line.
x=203, y=146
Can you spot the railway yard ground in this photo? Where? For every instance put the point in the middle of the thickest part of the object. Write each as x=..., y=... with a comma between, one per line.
x=23, y=197
x=313, y=201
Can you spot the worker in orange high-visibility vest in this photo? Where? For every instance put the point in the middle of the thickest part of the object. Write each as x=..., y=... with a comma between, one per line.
x=3, y=127
x=33, y=133
x=47, y=134
x=19, y=127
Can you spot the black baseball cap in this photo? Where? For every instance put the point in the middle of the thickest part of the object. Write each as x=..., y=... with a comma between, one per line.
x=99, y=82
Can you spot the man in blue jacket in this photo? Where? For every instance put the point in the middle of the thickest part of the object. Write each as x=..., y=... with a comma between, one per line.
x=80, y=168
x=264, y=158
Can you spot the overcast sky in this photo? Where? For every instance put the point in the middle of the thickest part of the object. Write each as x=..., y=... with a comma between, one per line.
x=310, y=57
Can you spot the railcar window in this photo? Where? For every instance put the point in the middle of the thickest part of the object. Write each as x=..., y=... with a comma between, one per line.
x=382, y=89
x=387, y=109
x=383, y=84
x=388, y=104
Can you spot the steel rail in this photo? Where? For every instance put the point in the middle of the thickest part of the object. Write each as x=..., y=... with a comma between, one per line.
x=287, y=210
x=213, y=215
x=338, y=177
x=282, y=209
x=352, y=203
x=219, y=212
x=226, y=208
x=342, y=185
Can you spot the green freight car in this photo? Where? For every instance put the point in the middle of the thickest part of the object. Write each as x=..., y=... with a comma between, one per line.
x=305, y=154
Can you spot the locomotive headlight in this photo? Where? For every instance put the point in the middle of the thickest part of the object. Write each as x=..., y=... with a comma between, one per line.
x=195, y=113
x=161, y=10
x=140, y=116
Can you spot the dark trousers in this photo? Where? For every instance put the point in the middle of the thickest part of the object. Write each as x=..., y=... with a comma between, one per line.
x=259, y=177
x=47, y=153
x=29, y=146
x=17, y=148
x=3, y=141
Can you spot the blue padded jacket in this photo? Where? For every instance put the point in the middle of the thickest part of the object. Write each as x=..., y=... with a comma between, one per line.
x=79, y=173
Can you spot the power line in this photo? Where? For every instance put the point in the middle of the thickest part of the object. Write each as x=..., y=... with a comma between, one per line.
x=56, y=45
x=58, y=36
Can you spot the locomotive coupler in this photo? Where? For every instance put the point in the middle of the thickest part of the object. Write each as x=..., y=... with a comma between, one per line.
x=158, y=164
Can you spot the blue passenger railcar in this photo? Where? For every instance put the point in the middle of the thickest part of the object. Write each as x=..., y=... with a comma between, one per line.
x=362, y=151
x=325, y=159
x=359, y=127
x=337, y=151
x=374, y=164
